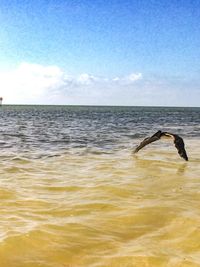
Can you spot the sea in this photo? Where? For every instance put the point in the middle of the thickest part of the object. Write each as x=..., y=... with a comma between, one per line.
x=73, y=193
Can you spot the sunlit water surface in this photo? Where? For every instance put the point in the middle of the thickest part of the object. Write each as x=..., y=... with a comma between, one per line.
x=73, y=194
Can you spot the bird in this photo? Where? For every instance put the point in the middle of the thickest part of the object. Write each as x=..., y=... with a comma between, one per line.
x=178, y=142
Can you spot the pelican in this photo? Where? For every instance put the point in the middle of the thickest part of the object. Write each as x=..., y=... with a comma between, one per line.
x=178, y=141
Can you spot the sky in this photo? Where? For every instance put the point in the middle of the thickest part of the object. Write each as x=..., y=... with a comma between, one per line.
x=97, y=52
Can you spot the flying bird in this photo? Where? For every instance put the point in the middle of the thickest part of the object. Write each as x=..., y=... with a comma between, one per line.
x=178, y=141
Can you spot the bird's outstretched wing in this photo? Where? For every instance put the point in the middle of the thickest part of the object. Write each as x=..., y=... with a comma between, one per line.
x=148, y=140
x=179, y=144
x=178, y=141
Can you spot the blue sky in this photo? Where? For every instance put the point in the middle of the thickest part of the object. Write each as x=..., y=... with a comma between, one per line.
x=100, y=52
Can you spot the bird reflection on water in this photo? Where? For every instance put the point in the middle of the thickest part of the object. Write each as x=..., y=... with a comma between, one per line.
x=159, y=166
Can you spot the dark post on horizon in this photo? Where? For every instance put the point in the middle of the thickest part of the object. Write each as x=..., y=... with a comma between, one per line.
x=1, y=100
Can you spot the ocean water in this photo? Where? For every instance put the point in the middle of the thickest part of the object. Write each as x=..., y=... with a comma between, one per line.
x=73, y=194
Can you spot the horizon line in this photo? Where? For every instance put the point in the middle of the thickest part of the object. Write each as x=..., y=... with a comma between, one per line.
x=90, y=105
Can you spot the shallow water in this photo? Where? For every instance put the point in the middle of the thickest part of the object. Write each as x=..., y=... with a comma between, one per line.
x=73, y=194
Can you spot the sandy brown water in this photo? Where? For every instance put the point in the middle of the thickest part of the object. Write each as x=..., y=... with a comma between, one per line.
x=84, y=206
x=91, y=209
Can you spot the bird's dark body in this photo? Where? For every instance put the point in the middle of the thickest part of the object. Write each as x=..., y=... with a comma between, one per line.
x=178, y=142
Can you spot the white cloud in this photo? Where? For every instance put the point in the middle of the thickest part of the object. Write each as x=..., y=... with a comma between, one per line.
x=87, y=79
x=131, y=78
x=34, y=83
x=37, y=84
x=134, y=77
x=29, y=82
x=116, y=79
